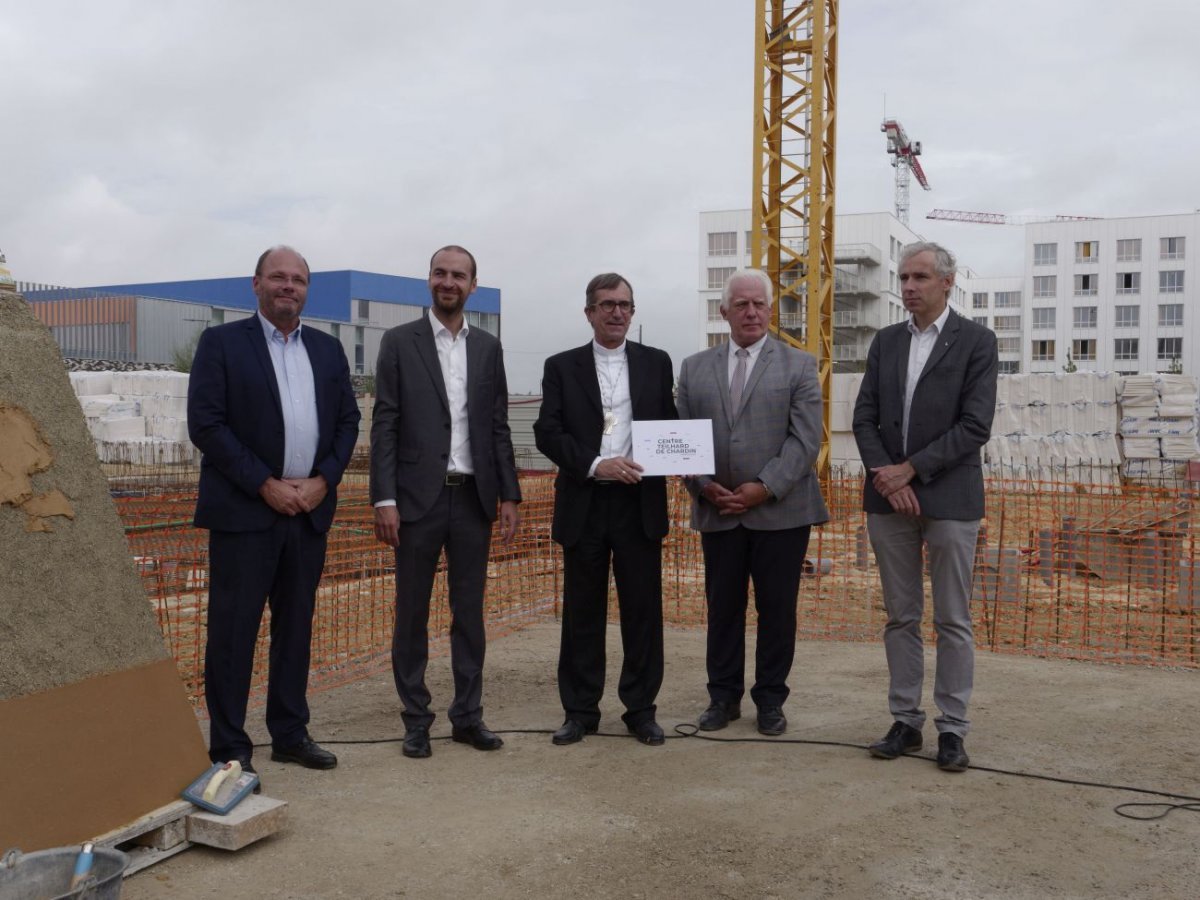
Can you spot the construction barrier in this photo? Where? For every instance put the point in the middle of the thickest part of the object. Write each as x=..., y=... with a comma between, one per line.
x=1064, y=569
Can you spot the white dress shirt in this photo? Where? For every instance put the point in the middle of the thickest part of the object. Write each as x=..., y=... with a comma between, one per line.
x=297, y=398
x=452, y=357
x=755, y=349
x=919, y=348
x=612, y=372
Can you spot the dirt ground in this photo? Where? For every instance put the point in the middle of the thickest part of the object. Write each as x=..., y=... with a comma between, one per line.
x=731, y=818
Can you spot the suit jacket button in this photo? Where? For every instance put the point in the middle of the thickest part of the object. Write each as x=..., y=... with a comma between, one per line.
x=444, y=455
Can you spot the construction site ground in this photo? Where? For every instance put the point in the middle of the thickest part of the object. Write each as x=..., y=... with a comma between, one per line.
x=740, y=818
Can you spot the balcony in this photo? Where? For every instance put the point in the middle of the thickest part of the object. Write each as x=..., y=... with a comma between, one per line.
x=855, y=318
x=861, y=254
x=848, y=283
x=849, y=353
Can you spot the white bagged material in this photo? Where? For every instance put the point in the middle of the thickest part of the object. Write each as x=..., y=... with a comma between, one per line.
x=125, y=428
x=163, y=405
x=88, y=384
x=167, y=427
x=1140, y=447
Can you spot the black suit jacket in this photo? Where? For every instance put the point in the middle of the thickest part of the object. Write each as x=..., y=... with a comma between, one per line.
x=410, y=429
x=236, y=421
x=949, y=421
x=571, y=423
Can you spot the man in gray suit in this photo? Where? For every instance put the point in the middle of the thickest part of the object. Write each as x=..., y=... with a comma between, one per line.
x=755, y=512
x=923, y=412
x=441, y=458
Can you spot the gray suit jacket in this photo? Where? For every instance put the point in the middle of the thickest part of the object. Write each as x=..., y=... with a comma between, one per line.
x=949, y=422
x=774, y=439
x=410, y=429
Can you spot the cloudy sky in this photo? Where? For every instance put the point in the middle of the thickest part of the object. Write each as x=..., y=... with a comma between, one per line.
x=176, y=139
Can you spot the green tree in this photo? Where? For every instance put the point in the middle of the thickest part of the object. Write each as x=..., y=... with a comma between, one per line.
x=1070, y=365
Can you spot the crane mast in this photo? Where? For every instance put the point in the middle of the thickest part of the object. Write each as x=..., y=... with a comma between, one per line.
x=795, y=129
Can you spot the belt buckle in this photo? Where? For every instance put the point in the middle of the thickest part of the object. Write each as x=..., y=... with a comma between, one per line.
x=455, y=479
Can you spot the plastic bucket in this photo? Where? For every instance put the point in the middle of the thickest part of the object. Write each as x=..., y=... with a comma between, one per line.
x=46, y=875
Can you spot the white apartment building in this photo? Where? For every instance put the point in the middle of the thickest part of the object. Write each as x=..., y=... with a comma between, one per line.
x=1113, y=293
x=866, y=288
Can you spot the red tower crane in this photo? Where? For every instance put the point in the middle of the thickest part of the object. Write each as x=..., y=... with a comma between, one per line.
x=904, y=155
x=987, y=218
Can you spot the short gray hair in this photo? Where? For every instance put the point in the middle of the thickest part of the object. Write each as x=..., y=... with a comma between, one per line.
x=944, y=262
x=752, y=274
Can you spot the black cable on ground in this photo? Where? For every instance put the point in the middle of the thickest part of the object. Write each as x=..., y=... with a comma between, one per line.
x=692, y=730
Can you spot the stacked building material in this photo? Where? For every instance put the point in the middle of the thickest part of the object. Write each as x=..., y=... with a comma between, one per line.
x=1158, y=426
x=1055, y=429
x=136, y=417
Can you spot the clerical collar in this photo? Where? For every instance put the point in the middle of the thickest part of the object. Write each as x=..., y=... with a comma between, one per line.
x=601, y=350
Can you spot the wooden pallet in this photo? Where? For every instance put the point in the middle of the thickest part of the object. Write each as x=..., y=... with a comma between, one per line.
x=173, y=828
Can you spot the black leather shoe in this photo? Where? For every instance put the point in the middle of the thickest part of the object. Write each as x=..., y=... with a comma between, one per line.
x=771, y=720
x=719, y=714
x=648, y=732
x=477, y=736
x=951, y=755
x=416, y=742
x=572, y=732
x=307, y=753
x=899, y=740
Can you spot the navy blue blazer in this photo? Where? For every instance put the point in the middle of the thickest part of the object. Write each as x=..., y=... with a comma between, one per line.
x=236, y=421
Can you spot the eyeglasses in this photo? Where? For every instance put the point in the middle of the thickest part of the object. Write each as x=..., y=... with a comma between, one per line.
x=611, y=306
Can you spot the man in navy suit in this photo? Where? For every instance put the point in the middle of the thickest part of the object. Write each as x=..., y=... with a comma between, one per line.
x=272, y=410
x=606, y=512
x=923, y=413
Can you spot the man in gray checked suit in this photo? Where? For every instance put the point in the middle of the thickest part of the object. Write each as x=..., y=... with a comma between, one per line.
x=754, y=514
x=923, y=412
x=441, y=459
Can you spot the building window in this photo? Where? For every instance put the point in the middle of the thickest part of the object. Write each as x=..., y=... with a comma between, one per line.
x=1170, y=282
x=1129, y=282
x=1170, y=315
x=714, y=309
x=1007, y=323
x=717, y=338
x=1170, y=349
x=718, y=277
x=1045, y=254
x=1008, y=345
x=980, y=320
x=979, y=301
x=1085, y=285
x=1170, y=248
x=1084, y=317
x=1129, y=250
x=364, y=310
x=1008, y=367
x=1043, y=316
x=1126, y=316
x=1043, y=351
x=1084, y=349
x=217, y=317
x=1007, y=299
x=1044, y=285
x=1125, y=348
x=336, y=331
x=722, y=243
x=1087, y=251
x=360, y=350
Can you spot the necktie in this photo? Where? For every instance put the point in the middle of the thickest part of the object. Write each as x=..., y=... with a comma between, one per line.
x=738, y=384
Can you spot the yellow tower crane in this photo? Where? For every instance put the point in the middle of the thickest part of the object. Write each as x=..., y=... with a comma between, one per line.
x=795, y=128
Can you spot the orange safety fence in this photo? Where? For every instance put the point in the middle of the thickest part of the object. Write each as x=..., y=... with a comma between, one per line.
x=1062, y=570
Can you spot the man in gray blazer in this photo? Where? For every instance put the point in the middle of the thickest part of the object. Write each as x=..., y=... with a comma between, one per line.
x=923, y=412
x=754, y=514
x=441, y=458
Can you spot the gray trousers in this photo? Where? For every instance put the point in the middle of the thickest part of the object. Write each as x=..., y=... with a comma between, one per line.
x=897, y=541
